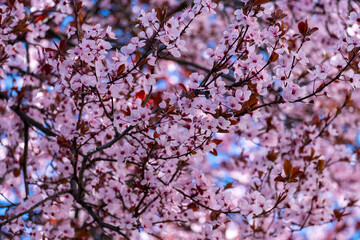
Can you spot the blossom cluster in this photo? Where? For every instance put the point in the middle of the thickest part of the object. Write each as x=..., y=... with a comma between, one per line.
x=168, y=120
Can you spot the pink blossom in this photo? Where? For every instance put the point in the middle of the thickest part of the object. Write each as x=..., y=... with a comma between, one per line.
x=209, y=6
x=292, y=92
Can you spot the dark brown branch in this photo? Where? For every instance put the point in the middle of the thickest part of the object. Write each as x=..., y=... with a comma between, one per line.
x=76, y=19
x=148, y=205
x=184, y=154
x=308, y=96
x=188, y=63
x=109, y=144
x=328, y=83
x=242, y=83
x=224, y=59
x=98, y=149
x=203, y=205
x=32, y=122
x=23, y=72
x=24, y=160
x=99, y=221
x=8, y=220
x=307, y=216
x=338, y=112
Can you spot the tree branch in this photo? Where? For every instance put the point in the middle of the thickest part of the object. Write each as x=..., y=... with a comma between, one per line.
x=24, y=161
x=188, y=63
x=99, y=221
x=34, y=206
x=32, y=122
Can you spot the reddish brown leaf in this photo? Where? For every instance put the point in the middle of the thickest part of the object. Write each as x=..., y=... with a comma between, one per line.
x=220, y=130
x=16, y=172
x=79, y=5
x=156, y=135
x=274, y=57
x=214, y=152
x=137, y=56
x=260, y=2
x=159, y=14
x=321, y=165
x=272, y=156
x=53, y=221
x=182, y=87
x=217, y=141
x=64, y=181
x=295, y=172
x=214, y=215
x=279, y=178
x=120, y=70
x=82, y=234
x=233, y=122
x=23, y=30
x=312, y=30
x=252, y=102
x=187, y=120
x=228, y=185
x=352, y=203
x=302, y=26
x=171, y=109
x=315, y=120
x=287, y=167
x=21, y=159
x=192, y=206
x=62, y=44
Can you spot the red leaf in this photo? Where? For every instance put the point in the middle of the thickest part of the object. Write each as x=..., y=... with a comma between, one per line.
x=159, y=14
x=228, y=185
x=187, y=120
x=259, y=2
x=141, y=95
x=39, y=18
x=214, y=215
x=182, y=87
x=171, y=109
x=312, y=30
x=217, y=141
x=321, y=166
x=16, y=172
x=149, y=102
x=274, y=56
x=214, y=152
x=120, y=70
x=302, y=26
x=279, y=178
x=287, y=167
x=79, y=5
x=220, y=130
x=62, y=44
x=192, y=206
x=272, y=156
x=295, y=172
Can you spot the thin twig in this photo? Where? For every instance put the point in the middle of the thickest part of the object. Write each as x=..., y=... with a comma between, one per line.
x=24, y=160
x=8, y=220
x=32, y=122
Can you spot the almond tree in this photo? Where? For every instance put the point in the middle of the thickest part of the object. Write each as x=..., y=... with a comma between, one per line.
x=175, y=119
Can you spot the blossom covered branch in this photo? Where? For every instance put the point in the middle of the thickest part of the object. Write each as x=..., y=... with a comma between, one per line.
x=179, y=119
